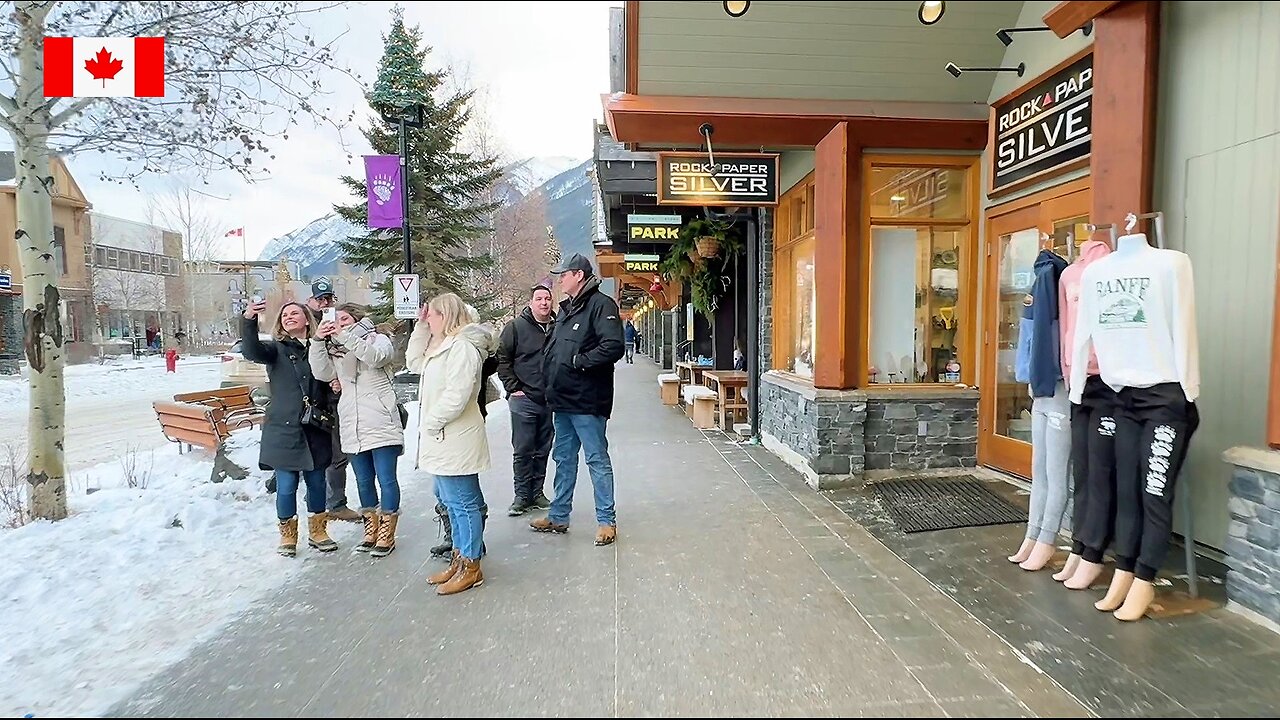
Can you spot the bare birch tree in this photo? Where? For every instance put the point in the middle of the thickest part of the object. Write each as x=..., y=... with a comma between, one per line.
x=236, y=75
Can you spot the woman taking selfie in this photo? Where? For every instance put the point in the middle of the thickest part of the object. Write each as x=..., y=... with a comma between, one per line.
x=351, y=350
x=448, y=351
x=295, y=432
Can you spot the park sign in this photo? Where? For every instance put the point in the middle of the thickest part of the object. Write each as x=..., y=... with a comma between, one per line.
x=640, y=263
x=734, y=179
x=653, y=228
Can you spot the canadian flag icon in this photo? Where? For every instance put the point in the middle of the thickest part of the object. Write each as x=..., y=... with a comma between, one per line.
x=104, y=67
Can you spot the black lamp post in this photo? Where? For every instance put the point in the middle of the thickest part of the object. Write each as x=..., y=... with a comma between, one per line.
x=410, y=117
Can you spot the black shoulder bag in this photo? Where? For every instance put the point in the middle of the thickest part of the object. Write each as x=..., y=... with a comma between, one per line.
x=319, y=418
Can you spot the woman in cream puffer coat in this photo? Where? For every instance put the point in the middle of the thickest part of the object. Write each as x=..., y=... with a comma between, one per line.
x=448, y=352
x=369, y=423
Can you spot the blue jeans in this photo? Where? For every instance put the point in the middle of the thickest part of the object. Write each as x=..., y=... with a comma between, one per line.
x=461, y=496
x=287, y=492
x=379, y=462
x=574, y=432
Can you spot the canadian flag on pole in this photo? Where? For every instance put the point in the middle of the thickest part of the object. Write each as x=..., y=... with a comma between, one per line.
x=238, y=232
x=104, y=67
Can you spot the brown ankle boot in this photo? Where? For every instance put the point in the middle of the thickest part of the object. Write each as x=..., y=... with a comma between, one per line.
x=370, y=530
x=288, y=537
x=465, y=579
x=386, y=535
x=447, y=574
x=318, y=533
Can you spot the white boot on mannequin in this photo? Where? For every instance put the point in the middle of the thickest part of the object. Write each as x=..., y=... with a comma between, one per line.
x=1024, y=552
x=1085, y=576
x=1073, y=560
x=1121, y=582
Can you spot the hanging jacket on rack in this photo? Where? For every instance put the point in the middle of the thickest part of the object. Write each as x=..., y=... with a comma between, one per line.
x=1038, y=361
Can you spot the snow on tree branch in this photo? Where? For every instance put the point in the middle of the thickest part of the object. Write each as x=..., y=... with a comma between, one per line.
x=236, y=75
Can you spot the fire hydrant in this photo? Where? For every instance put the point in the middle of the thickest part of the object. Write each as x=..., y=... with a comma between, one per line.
x=171, y=360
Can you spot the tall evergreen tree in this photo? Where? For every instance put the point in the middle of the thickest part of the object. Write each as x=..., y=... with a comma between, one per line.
x=447, y=213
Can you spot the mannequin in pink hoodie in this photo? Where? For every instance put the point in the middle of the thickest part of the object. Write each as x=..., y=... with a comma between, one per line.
x=1090, y=422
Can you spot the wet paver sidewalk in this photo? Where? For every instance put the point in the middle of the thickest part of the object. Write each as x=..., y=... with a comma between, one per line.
x=733, y=589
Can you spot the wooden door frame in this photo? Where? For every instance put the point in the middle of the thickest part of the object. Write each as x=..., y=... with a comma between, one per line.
x=1039, y=211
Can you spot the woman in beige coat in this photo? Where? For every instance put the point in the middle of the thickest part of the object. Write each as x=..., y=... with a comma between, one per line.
x=447, y=350
x=369, y=421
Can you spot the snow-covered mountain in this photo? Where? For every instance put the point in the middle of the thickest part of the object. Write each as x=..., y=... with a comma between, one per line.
x=568, y=192
x=526, y=175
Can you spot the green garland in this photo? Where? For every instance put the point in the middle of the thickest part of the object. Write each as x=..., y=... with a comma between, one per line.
x=709, y=277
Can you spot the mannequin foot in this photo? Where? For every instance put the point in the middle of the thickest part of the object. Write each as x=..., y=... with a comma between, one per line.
x=1024, y=552
x=1040, y=556
x=1120, y=585
x=1085, y=575
x=1073, y=560
x=1137, y=601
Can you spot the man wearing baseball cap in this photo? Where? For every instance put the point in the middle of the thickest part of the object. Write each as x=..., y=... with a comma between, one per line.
x=577, y=370
x=322, y=298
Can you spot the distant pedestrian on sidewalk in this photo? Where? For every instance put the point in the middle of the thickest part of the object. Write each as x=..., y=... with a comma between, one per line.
x=322, y=298
x=353, y=352
x=520, y=350
x=297, y=450
x=629, y=337
x=578, y=370
x=448, y=352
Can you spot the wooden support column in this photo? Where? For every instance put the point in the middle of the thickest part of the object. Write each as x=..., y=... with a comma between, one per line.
x=1125, y=63
x=837, y=223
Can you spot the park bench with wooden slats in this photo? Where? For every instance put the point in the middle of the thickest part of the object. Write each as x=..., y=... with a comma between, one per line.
x=234, y=406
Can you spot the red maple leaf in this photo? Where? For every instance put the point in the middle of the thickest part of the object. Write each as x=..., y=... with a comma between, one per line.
x=103, y=67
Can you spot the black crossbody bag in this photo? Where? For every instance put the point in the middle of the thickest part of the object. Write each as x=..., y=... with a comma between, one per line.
x=319, y=418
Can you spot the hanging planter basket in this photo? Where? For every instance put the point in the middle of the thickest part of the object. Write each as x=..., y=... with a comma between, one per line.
x=708, y=246
x=694, y=258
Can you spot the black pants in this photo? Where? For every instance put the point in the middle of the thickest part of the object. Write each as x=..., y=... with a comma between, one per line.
x=1153, y=429
x=1093, y=461
x=531, y=437
x=336, y=474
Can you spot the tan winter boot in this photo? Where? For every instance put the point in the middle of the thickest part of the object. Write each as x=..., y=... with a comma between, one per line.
x=386, y=535
x=318, y=534
x=288, y=537
x=446, y=574
x=465, y=579
x=370, y=530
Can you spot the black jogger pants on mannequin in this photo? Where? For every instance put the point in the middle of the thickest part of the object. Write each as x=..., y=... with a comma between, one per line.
x=1093, y=444
x=1153, y=428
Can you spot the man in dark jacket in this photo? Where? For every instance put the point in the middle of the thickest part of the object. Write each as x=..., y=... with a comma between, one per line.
x=577, y=369
x=520, y=348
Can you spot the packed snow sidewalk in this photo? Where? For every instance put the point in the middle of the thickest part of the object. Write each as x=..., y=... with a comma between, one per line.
x=153, y=560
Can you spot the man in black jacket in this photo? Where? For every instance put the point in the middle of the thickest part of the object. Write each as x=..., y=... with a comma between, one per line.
x=520, y=349
x=577, y=368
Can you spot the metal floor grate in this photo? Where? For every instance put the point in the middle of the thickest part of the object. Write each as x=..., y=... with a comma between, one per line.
x=923, y=504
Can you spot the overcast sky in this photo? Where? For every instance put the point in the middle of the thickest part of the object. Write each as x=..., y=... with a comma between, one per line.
x=542, y=67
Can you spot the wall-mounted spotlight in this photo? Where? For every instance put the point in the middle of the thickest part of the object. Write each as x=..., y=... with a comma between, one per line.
x=956, y=71
x=1004, y=37
x=736, y=8
x=931, y=11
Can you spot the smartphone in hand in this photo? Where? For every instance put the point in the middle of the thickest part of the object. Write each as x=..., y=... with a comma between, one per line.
x=330, y=315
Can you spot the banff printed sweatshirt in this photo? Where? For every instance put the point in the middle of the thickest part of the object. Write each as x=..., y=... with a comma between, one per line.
x=1137, y=311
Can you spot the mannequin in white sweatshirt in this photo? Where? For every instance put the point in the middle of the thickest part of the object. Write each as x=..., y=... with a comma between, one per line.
x=1137, y=312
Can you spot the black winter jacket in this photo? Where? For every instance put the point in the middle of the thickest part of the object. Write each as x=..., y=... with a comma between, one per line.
x=286, y=443
x=578, y=364
x=520, y=348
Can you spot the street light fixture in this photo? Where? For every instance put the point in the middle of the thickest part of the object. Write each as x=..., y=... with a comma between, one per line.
x=410, y=117
x=931, y=11
x=736, y=8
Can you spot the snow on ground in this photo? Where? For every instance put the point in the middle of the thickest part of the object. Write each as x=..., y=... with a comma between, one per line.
x=136, y=577
x=128, y=376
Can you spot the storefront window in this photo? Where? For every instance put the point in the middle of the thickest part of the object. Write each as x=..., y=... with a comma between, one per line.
x=794, y=298
x=919, y=272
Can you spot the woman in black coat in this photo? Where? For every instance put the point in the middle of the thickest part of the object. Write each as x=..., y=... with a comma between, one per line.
x=295, y=450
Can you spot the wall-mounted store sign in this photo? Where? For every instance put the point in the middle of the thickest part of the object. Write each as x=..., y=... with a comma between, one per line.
x=1044, y=128
x=640, y=263
x=735, y=179
x=653, y=228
